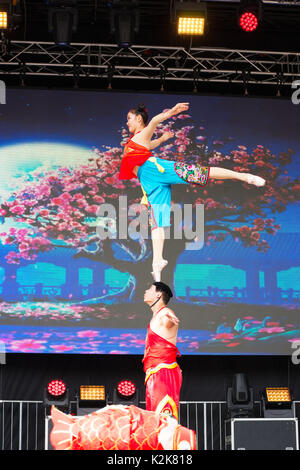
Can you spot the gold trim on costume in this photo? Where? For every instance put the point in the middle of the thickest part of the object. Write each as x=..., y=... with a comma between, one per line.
x=144, y=199
x=158, y=166
x=167, y=400
x=158, y=367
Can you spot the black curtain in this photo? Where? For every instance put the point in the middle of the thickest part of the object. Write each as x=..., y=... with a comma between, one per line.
x=205, y=378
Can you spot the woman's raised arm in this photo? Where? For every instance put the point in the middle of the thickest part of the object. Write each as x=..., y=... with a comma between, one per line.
x=144, y=137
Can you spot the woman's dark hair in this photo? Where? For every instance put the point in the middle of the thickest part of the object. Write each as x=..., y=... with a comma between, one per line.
x=165, y=290
x=141, y=110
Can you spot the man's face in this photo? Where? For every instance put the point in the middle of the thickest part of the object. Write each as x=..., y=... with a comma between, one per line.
x=151, y=295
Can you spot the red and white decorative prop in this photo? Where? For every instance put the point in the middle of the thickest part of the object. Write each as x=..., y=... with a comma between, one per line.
x=119, y=427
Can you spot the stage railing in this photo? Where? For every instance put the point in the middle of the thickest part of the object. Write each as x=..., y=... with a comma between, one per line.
x=22, y=423
x=207, y=419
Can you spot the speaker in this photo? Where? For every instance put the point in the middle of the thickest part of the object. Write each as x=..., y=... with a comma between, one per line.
x=261, y=434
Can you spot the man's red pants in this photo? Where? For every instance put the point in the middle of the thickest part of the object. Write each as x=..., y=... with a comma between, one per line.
x=163, y=389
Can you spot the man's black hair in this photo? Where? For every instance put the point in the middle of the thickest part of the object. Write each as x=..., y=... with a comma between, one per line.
x=164, y=289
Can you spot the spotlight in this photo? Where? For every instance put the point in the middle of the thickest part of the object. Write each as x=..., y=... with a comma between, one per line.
x=3, y=19
x=91, y=398
x=124, y=21
x=188, y=25
x=240, y=397
x=190, y=17
x=249, y=15
x=56, y=393
x=126, y=389
x=277, y=403
x=248, y=21
x=10, y=15
x=92, y=393
x=5, y=14
x=126, y=393
x=62, y=21
x=56, y=388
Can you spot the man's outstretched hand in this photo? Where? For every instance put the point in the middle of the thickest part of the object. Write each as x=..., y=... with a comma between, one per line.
x=170, y=316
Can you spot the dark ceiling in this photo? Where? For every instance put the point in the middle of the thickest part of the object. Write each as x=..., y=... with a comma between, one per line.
x=279, y=29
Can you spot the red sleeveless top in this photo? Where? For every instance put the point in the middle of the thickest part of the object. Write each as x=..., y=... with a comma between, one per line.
x=158, y=350
x=134, y=154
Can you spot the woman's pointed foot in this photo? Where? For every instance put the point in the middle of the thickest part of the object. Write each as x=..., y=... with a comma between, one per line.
x=256, y=180
x=157, y=269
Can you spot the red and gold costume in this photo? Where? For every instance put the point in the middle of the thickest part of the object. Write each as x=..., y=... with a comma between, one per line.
x=156, y=176
x=119, y=428
x=134, y=155
x=163, y=374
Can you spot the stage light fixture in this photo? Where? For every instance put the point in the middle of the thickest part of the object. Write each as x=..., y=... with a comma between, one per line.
x=187, y=25
x=126, y=389
x=92, y=393
x=62, y=20
x=124, y=21
x=278, y=395
x=277, y=403
x=5, y=14
x=249, y=15
x=56, y=388
x=56, y=393
x=91, y=398
x=10, y=15
x=240, y=401
x=190, y=17
x=3, y=19
x=248, y=21
x=126, y=393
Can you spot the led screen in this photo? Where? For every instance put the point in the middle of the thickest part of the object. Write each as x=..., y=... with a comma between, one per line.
x=76, y=252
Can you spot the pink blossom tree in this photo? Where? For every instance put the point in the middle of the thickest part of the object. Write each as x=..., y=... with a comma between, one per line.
x=59, y=207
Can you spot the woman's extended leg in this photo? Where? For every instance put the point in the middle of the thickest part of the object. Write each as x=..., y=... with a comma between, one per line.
x=223, y=174
x=178, y=173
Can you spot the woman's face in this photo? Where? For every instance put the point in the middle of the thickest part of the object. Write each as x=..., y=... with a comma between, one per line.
x=133, y=122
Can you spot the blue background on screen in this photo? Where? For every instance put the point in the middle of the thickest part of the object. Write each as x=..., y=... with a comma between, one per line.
x=40, y=310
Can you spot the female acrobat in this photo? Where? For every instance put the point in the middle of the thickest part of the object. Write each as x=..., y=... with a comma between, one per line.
x=156, y=175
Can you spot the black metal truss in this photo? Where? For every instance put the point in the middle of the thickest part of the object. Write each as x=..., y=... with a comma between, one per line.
x=215, y=65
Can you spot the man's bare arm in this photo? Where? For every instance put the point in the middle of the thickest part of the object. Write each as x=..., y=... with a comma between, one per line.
x=169, y=319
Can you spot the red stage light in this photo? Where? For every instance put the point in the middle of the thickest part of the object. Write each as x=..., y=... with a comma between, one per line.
x=248, y=21
x=56, y=388
x=126, y=388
